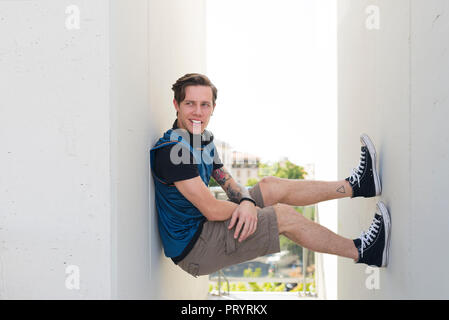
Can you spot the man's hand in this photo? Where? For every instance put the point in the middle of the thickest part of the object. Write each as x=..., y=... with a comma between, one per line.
x=246, y=214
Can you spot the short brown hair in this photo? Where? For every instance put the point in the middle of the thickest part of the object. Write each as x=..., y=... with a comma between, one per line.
x=192, y=79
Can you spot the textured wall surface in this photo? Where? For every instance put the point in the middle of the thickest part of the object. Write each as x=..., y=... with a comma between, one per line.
x=393, y=62
x=54, y=132
x=85, y=92
x=153, y=43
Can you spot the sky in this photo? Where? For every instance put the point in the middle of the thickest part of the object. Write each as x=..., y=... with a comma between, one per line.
x=274, y=64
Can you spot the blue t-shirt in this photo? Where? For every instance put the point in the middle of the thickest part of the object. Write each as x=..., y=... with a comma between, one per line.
x=179, y=221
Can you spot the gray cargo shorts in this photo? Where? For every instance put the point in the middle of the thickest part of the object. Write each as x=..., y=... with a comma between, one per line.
x=216, y=247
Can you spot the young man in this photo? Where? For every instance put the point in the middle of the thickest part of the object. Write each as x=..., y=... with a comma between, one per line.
x=202, y=234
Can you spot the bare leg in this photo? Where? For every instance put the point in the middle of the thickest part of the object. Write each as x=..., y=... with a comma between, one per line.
x=312, y=235
x=302, y=192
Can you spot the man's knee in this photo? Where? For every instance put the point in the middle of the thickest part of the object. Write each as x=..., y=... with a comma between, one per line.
x=269, y=190
x=287, y=217
x=269, y=180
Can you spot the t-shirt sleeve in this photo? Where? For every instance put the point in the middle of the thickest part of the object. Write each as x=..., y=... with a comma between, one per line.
x=217, y=161
x=169, y=172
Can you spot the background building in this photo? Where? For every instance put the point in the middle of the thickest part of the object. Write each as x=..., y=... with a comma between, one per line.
x=241, y=165
x=244, y=166
x=225, y=152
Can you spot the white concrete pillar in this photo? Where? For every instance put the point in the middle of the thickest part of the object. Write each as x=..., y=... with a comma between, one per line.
x=85, y=92
x=393, y=74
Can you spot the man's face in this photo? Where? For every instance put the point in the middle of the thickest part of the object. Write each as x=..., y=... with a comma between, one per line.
x=195, y=111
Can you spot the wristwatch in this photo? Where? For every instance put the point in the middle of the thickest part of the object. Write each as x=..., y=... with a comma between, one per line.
x=249, y=199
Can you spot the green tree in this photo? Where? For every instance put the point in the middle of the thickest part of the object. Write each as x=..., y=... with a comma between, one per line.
x=268, y=286
x=248, y=272
x=241, y=287
x=285, y=169
x=213, y=183
x=280, y=287
x=251, y=182
x=254, y=286
x=288, y=170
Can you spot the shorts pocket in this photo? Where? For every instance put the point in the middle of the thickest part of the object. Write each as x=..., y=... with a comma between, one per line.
x=233, y=246
x=230, y=243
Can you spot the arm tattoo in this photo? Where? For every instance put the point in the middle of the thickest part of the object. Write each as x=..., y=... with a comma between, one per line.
x=234, y=195
x=234, y=191
x=221, y=176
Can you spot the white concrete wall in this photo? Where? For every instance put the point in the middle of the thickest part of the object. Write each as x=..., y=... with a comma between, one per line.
x=79, y=111
x=153, y=43
x=54, y=135
x=325, y=166
x=393, y=86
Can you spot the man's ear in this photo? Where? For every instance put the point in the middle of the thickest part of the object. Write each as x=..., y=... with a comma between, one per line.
x=175, y=103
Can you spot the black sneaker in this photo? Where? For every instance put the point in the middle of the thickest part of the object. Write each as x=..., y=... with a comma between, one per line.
x=364, y=179
x=374, y=245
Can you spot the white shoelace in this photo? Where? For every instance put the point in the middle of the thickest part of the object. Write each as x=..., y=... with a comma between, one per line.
x=370, y=235
x=357, y=172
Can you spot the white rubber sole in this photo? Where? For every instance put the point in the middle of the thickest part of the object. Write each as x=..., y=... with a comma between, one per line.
x=383, y=211
x=364, y=139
